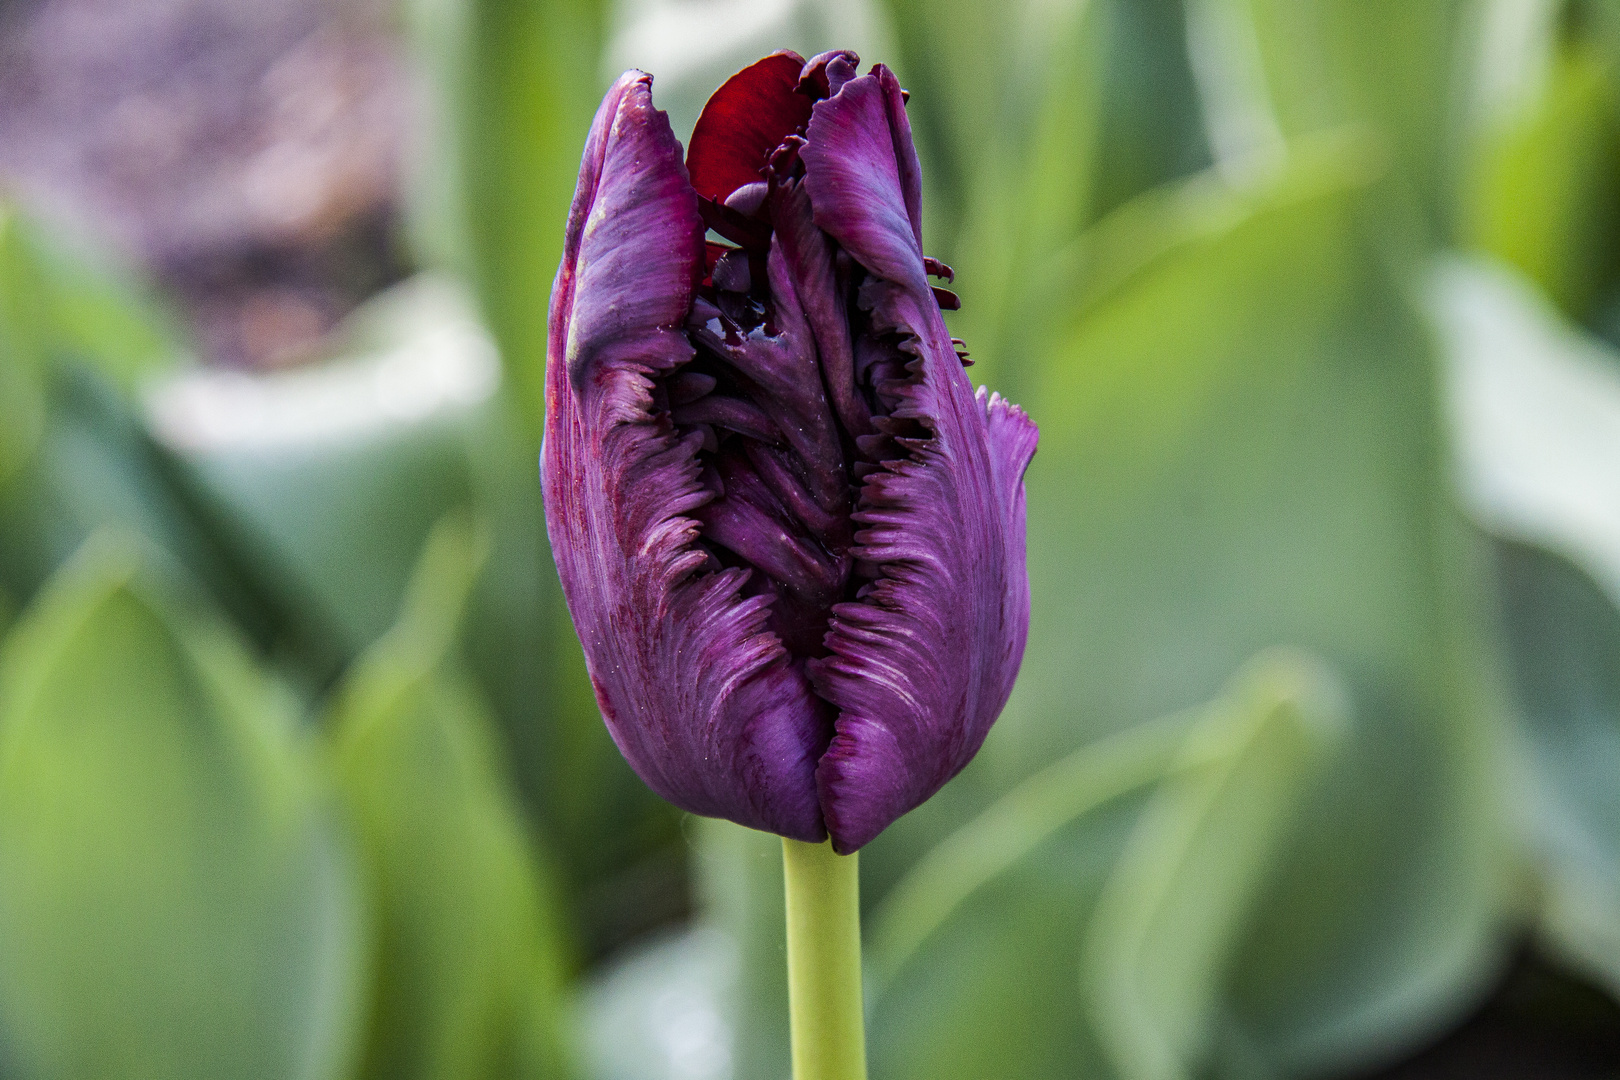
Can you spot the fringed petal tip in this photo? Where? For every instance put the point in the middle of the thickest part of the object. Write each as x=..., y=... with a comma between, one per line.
x=1013, y=439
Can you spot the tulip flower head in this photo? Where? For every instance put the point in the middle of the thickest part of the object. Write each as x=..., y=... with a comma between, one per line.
x=790, y=534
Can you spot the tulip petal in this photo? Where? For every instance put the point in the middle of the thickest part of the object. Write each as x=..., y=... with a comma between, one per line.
x=864, y=178
x=922, y=662
x=743, y=122
x=705, y=704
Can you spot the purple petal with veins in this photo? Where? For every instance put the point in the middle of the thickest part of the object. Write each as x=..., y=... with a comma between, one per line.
x=789, y=532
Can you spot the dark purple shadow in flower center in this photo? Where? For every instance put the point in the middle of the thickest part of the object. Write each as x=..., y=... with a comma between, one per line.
x=791, y=392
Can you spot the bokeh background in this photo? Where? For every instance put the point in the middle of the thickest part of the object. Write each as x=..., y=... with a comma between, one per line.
x=1313, y=769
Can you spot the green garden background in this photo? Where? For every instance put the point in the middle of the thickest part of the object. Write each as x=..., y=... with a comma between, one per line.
x=1313, y=767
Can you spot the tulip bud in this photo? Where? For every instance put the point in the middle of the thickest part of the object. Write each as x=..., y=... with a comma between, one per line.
x=789, y=533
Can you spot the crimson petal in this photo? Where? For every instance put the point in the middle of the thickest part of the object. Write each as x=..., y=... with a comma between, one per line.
x=703, y=702
x=743, y=122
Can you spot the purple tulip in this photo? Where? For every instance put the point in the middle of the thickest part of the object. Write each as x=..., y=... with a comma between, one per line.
x=790, y=534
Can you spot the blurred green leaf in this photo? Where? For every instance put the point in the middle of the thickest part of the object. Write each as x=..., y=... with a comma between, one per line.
x=1565, y=636
x=22, y=396
x=950, y=57
x=515, y=84
x=1170, y=919
x=468, y=965
x=1240, y=447
x=174, y=900
x=1073, y=883
x=100, y=313
x=96, y=467
x=984, y=980
x=66, y=300
x=912, y=912
x=1546, y=191
x=60, y=304
x=1033, y=193
x=1152, y=126
x=1535, y=410
x=1397, y=68
x=1536, y=405
x=76, y=340
x=740, y=890
x=321, y=483
x=1086, y=102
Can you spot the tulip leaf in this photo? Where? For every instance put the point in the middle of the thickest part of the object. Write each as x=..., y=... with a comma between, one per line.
x=515, y=83
x=467, y=975
x=1240, y=447
x=1388, y=66
x=1046, y=891
x=740, y=890
x=1536, y=405
x=290, y=470
x=67, y=301
x=1172, y=914
x=95, y=467
x=1051, y=889
x=174, y=898
x=982, y=74
x=995, y=991
x=22, y=395
x=101, y=314
x=1565, y=637
x=67, y=326
x=1546, y=194
x=1032, y=195
x=932, y=891
x=729, y=973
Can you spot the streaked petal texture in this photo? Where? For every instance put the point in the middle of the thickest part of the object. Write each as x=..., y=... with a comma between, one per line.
x=922, y=662
x=705, y=705
x=789, y=532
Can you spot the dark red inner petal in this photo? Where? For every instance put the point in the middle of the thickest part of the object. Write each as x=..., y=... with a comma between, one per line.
x=743, y=122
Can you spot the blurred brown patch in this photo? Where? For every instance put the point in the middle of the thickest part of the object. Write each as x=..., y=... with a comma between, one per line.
x=245, y=151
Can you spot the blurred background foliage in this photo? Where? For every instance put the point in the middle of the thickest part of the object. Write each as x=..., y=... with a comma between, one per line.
x=1313, y=769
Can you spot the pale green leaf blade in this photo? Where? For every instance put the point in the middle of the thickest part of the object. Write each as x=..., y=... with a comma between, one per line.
x=1536, y=407
x=1241, y=446
x=1170, y=919
x=468, y=964
x=174, y=898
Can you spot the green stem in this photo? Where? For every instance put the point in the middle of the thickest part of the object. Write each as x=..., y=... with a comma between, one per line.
x=824, y=962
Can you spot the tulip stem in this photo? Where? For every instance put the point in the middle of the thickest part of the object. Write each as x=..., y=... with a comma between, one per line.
x=824, y=962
